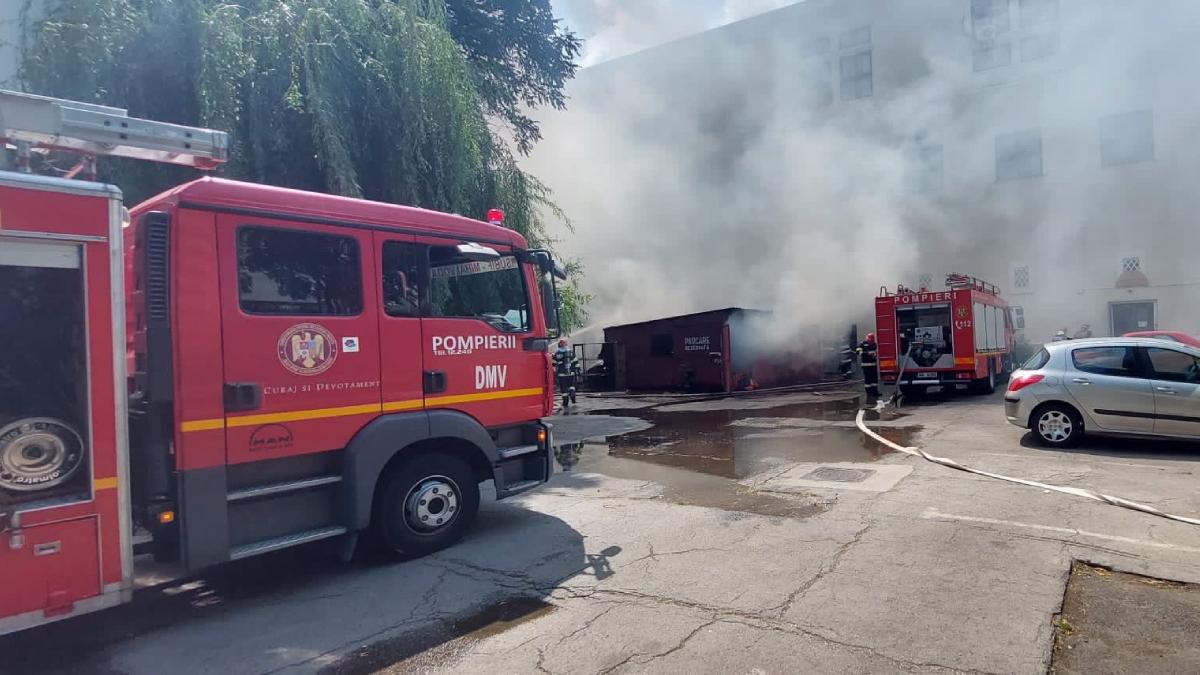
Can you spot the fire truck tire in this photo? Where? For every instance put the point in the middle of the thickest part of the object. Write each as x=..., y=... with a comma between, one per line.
x=425, y=503
x=986, y=385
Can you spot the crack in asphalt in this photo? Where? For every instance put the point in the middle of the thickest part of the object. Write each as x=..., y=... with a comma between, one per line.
x=835, y=560
x=759, y=622
x=647, y=658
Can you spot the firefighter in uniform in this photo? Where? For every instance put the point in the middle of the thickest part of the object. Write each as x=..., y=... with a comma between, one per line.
x=868, y=356
x=565, y=368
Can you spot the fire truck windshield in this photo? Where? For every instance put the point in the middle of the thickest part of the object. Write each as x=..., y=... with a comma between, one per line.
x=492, y=291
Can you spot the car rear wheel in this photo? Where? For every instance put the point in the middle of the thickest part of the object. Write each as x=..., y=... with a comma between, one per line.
x=426, y=503
x=1057, y=426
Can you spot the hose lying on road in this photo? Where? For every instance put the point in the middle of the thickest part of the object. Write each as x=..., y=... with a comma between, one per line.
x=1078, y=492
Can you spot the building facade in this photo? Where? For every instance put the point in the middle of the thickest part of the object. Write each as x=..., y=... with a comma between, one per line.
x=11, y=12
x=1048, y=146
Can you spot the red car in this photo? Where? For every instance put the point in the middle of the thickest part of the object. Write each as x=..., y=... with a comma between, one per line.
x=1172, y=335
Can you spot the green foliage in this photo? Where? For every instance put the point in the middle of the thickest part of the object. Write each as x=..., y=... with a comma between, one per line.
x=520, y=56
x=386, y=100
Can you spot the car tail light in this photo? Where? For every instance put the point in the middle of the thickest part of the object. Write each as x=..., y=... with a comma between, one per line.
x=1019, y=382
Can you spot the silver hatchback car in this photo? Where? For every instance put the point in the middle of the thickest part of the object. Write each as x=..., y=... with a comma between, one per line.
x=1138, y=386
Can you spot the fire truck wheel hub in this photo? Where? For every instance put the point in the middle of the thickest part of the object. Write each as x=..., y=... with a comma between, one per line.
x=431, y=504
x=38, y=453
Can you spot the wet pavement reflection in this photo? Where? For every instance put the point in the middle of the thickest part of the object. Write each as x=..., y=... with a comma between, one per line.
x=699, y=453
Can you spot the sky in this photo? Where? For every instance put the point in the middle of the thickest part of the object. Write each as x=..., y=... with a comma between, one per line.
x=615, y=28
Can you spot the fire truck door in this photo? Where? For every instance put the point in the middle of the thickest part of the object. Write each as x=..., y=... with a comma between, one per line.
x=402, y=266
x=475, y=328
x=300, y=336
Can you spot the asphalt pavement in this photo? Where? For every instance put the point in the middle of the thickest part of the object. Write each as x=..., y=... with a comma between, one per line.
x=759, y=534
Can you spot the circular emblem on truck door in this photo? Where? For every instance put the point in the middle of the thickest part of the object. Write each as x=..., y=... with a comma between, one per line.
x=38, y=453
x=307, y=349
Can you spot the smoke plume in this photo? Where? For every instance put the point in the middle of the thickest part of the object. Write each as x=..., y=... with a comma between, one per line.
x=732, y=168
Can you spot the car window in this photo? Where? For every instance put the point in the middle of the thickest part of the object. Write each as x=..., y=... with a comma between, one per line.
x=1118, y=361
x=1175, y=366
x=1037, y=361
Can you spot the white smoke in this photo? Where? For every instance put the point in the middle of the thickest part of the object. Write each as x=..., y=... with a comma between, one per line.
x=707, y=173
x=615, y=28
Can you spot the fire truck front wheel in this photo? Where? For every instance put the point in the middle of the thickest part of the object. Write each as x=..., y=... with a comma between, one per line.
x=426, y=503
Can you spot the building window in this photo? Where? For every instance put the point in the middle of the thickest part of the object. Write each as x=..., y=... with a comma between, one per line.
x=990, y=55
x=292, y=272
x=989, y=18
x=855, y=65
x=1127, y=138
x=1036, y=13
x=925, y=167
x=662, y=344
x=1131, y=264
x=925, y=282
x=1019, y=155
x=856, y=76
x=1039, y=47
x=1021, y=278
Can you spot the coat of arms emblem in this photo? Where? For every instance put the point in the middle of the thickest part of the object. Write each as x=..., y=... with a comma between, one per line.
x=307, y=349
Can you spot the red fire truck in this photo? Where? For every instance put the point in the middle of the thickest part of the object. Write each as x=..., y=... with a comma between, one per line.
x=231, y=369
x=962, y=336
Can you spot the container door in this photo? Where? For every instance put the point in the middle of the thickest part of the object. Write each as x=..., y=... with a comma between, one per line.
x=300, y=336
x=475, y=329
x=403, y=286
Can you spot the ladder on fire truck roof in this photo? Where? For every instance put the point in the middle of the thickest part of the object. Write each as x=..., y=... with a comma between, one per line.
x=31, y=123
x=957, y=281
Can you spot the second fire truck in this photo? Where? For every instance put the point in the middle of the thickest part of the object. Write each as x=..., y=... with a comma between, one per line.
x=961, y=336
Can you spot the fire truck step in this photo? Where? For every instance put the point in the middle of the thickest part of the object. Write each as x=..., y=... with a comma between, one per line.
x=516, y=488
x=281, y=488
x=517, y=451
x=286, y=541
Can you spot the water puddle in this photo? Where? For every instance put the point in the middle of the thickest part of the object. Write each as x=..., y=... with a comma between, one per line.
x=699, y=451
x=741, y=443
x=441, y=643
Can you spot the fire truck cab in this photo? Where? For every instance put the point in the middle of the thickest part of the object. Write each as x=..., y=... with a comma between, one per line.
x=959, y=337
x=231, y=369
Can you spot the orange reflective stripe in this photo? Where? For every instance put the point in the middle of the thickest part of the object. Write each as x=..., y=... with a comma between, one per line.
x=484, y=396
x=345, y=411
x=301, y=415
x=203, y=425
x=109, y=483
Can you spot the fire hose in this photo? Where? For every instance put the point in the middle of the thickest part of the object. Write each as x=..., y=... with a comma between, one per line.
x=1078, y=492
